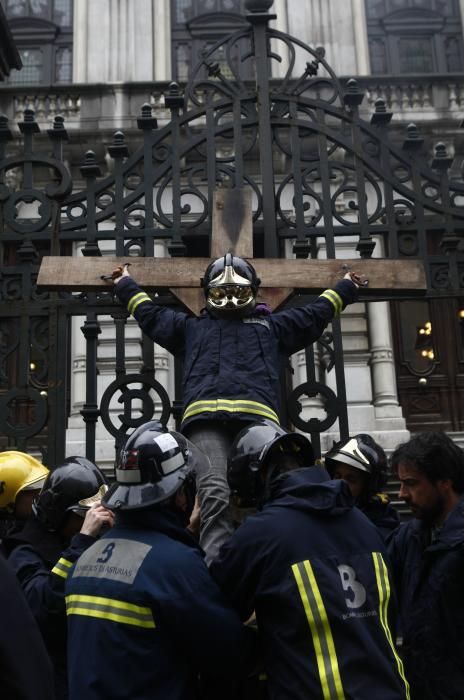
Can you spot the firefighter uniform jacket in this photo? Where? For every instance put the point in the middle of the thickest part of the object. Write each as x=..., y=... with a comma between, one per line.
x=41, y=561
x=232, y=367
x=145, y=616
x=25, y=668
x=315, y=571
x=381, y=513
x=429, y=580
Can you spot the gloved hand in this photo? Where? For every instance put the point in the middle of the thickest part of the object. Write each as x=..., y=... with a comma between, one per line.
x=356, y=279
x=120, y=272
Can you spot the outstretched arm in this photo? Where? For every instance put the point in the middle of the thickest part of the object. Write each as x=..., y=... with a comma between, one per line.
x=299, y=327
x=161, y=324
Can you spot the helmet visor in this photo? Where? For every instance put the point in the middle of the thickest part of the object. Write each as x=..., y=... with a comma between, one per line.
x=230, y=296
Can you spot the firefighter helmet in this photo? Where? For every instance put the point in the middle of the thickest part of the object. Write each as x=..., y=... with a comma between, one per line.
x=18, y=472
x=66, y=489
x=230, y=285
x=253, y=449
x=151, y=468
x=364, y=453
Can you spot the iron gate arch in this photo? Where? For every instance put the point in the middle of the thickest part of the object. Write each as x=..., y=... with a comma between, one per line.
x=314, y=152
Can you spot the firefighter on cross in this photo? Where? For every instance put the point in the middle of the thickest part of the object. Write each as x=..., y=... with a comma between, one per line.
x=233, y=355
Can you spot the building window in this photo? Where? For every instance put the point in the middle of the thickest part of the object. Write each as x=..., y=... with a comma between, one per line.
x=42, y=30
x=198, y=25
x=414, y=36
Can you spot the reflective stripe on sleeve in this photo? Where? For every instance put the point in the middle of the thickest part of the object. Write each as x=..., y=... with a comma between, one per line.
x=230, y=406
x=62, y=567
x=335, y=299
x=110, y=609
x=324, y=647
x=383, y=586
x=136, y=300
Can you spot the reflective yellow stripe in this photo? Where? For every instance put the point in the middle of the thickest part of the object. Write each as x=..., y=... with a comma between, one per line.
x=62, y=567
x=334, y=298
x=231, y=406
x=110, y=609
x=383, y=586
x=324, y=647
x=136, y=300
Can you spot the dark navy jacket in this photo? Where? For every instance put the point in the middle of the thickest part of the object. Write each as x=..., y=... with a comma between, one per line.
x=430, y=583
x=315, y=571
x=232, y=367
x=41, y=561
x=381, y=513
x=25, y=670
x=145, y=617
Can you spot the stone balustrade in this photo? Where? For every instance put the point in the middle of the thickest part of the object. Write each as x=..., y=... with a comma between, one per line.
x=422, y=97
x=117, y=105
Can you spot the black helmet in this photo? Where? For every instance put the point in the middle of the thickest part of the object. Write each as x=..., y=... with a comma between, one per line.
x=77, y=479
x=251, y=450
x=153, y=465
x=363, y=453
x=230, y=285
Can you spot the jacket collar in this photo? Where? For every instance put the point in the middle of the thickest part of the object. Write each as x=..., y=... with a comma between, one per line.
x=163, y=520
x=451, y=534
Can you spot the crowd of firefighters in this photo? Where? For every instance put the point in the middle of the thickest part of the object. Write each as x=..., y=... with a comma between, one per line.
x=222, y=560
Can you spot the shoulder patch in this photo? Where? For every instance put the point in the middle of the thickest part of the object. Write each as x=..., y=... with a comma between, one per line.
x=114, y=559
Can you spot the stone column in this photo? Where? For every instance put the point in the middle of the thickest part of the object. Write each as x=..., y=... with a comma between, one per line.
x=343, y=34
x=461, y=5
x=388, y=413
x=162, y=69
x=360, y=38
x=115, y=41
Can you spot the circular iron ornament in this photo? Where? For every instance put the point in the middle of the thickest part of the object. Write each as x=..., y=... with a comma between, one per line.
x=129, y=395
x=313, y=425
x=21, y=429
x=28, y=197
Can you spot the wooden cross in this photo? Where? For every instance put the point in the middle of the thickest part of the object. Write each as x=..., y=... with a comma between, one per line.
x=233, y=232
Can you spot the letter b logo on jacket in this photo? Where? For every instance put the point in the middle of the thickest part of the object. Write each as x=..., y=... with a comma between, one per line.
x=358, y=595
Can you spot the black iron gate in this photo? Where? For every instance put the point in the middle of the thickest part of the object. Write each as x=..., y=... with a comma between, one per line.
x=298, y=143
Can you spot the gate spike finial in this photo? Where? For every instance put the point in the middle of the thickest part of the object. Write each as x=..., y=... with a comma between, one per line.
x=29, y=123
x=90, y=168
x=353, y=95
x=118, y=148
x=58, y=130
x=413, y=139
x=381, y=116
x=174, y=98
x=441, y=161
x=5, y=133
x=146, y=120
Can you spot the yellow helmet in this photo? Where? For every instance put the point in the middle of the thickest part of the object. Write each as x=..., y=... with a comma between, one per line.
x=18, y=472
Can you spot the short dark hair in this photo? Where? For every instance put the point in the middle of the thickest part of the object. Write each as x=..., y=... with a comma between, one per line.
x=434, y=454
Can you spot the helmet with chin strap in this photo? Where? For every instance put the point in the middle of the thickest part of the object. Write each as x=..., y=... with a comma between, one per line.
x=230, y=285
x=361, y=452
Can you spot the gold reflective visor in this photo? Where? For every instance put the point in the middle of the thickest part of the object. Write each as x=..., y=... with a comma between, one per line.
x=229, y=292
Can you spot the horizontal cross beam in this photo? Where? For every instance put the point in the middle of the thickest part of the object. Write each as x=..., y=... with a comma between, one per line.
x=280, y=278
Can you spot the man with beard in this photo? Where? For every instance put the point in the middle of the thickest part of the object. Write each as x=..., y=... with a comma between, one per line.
x=428, y=561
